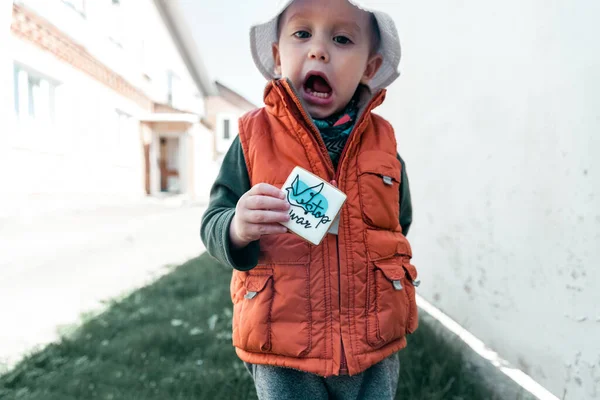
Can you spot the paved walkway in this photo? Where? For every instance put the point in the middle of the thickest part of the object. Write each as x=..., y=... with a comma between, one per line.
x=53, y=268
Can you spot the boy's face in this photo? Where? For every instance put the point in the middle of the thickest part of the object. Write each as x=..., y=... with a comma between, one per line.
x=325, y=50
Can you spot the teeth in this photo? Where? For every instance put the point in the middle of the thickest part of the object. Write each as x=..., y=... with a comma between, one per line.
x=317, y=94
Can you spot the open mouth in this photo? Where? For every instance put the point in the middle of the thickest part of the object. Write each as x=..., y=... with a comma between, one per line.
x=317, y=85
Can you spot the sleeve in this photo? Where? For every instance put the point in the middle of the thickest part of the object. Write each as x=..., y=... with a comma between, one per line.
x=405, y=200
x=231, y=183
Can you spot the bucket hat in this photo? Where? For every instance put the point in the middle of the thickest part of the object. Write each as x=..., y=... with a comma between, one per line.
x=263, y=35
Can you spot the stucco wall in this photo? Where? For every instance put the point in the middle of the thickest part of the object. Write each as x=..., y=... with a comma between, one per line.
x=497, y=114
x=6, y=68
x=204, y=166
x=133, y=42
x=80, y=157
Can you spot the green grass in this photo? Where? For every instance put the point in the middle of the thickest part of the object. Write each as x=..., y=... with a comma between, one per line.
x=172, y=340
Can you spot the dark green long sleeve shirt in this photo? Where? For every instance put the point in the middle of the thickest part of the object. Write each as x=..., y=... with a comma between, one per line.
x=231, y=183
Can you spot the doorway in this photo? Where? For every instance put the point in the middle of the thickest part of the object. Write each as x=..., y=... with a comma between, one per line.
x=168, y=162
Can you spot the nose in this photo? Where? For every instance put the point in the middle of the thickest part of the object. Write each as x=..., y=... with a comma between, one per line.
x=318, y=52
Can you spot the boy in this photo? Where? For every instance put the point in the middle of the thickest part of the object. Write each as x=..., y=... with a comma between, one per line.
x=324, y=321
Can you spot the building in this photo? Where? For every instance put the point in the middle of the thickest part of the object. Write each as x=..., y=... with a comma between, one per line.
x=107, y=104
x=223, y=110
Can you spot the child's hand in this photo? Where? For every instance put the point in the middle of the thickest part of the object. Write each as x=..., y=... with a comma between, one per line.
x=257, y=213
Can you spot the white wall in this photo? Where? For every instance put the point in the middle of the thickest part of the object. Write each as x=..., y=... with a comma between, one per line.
x=497, y=114
x=218, y=109
x=6, y=96
x=5, y=55
x=88, y=154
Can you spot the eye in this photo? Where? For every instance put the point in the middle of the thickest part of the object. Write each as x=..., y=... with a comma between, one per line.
x=342, y=40
x=302, y=35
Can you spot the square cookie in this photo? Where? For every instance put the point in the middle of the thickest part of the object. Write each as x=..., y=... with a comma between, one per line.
x=314, y=202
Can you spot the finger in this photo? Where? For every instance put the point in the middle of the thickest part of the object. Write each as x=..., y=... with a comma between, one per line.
x=266, y=229
x=260, y=202
x=266, y=216
x=267, y=190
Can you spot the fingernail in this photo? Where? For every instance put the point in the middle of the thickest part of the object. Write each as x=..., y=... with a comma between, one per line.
x=282, y=195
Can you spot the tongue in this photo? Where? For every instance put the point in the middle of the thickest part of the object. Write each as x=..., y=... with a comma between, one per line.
x=320, y=85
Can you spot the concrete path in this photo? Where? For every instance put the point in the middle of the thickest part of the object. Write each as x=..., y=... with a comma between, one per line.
x=53, y=268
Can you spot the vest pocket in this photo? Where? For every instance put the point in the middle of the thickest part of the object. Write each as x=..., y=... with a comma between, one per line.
x=379, y=189
x=252, y=311
x=391, y=304
x=413, y=312
x=291, y=313
x=290, y=327
x=272, y=308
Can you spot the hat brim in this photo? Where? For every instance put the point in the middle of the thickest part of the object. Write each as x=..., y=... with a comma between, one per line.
x=262, y=37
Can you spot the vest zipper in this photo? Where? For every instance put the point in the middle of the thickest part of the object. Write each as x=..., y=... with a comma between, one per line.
x=311, y=125
x=343, y=364
x=359, y=121
x=343, y=361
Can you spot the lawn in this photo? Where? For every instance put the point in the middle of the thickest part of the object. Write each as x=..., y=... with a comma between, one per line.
x=172, y=340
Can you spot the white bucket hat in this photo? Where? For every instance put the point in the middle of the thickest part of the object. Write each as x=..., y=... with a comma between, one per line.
x=262, y=37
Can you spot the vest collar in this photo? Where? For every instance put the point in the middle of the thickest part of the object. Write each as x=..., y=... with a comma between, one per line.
x=282, y=100
x=280, y=92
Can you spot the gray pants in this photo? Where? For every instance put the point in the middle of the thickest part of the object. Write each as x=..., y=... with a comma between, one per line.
x=277, y=383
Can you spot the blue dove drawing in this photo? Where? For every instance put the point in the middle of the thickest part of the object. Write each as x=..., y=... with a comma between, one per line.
x=309, y=199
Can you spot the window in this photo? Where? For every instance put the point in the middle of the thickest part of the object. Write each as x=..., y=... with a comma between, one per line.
x=124, y=139
x=17, y=98
x=116, y=21
x=170, y=88
x=226, y=131
x=173, y=89
x=34, y=95
x=77, y=5
x=120, y=122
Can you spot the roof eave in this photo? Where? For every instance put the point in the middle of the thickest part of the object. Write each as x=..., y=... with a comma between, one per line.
x=182, y=35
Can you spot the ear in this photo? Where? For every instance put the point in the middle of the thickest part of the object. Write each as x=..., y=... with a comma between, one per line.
x=373, y=65
x=277, y=59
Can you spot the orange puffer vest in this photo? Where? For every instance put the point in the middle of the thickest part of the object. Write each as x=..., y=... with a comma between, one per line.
x=346, y=304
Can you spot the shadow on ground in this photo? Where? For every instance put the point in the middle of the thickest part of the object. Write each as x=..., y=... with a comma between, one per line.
x=172, y=340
